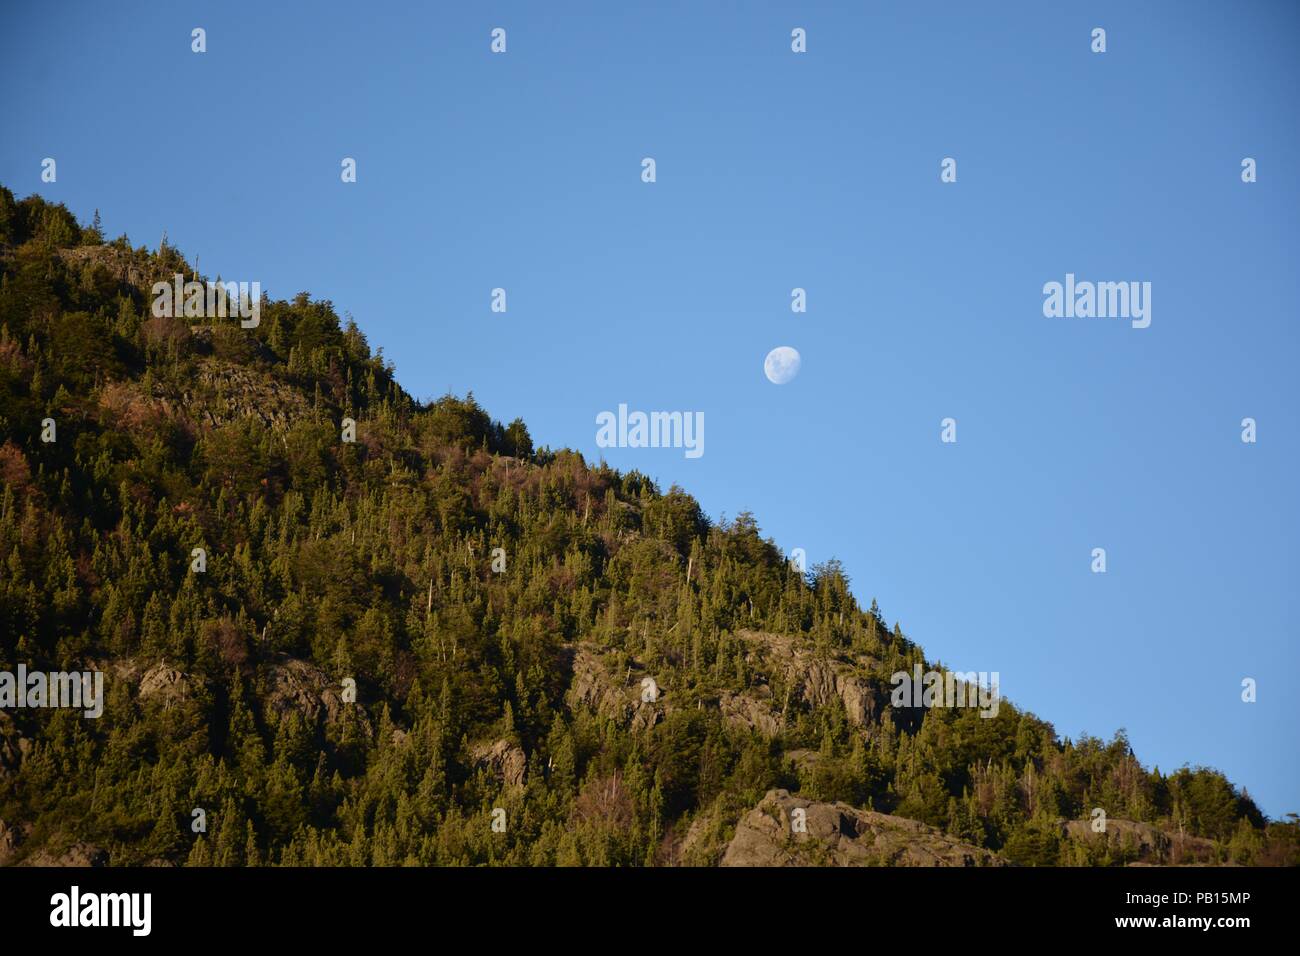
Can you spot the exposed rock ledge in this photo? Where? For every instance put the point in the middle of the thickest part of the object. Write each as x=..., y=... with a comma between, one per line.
x=618, y=696
x=296, y=686
x=837, y=834
x=502, y=759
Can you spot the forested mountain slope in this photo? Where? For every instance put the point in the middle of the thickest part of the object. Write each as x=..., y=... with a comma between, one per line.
x=485, y=680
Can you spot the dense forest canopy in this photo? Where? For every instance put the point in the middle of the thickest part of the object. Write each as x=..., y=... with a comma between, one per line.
x=495, y=608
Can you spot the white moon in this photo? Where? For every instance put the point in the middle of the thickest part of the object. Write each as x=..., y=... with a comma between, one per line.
x=781, y=365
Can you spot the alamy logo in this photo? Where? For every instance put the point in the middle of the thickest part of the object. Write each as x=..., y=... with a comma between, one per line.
x=946, y=689
x=82, y=691
x=1101, y=300
x=211, y=300
x=653, y=430
x=103, y=909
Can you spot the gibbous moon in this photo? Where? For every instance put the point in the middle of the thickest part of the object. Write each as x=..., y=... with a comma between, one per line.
x=781, y=365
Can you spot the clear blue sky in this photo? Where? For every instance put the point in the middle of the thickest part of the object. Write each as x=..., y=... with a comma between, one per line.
x=778, y=170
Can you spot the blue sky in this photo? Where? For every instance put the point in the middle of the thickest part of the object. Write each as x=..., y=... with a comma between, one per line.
x=776, y=171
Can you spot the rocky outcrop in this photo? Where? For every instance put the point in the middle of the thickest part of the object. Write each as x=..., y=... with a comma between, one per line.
x=222, y=392
x=619, y=697
x=227, y=392
x=1142, y=843
x=752, y=711
x=786, y=830
x=78, y=854
x=295, y=686
x=819, y=680
x=1143, y=839
x=501, y=759
x=803, y=760
x=164, y=683
x=594, y=689
x=11, y=838
x=125, y=265
x=614, y=692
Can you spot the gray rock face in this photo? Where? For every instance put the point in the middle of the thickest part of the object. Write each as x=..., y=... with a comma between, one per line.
x=164, y=683
x=78, y=854
x=819, y=681
x=11, y=838
x=1148, y=843
x=785, y=830
x=617, y=696
x=125, y=264
x=592, y=688
x=753, y=711
x=596, y=687
x=226, y=392
x=502, y=759
x=1144, y=839
x=299, y=687
x=222, y=392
